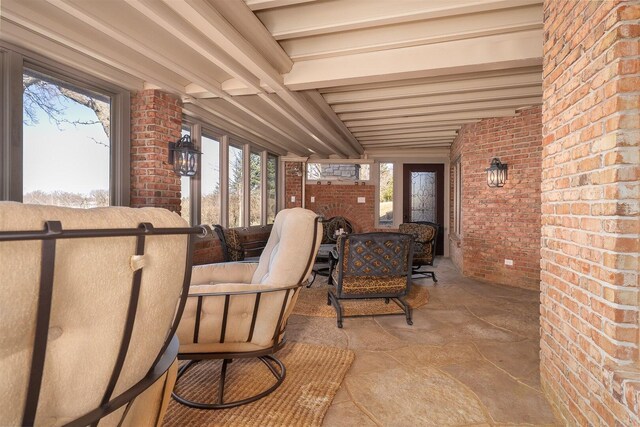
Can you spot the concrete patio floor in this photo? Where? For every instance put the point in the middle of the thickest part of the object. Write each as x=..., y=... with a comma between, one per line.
x=470, y=359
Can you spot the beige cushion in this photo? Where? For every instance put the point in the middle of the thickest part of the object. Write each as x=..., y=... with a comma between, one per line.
x=283, y=263
x=92, y=284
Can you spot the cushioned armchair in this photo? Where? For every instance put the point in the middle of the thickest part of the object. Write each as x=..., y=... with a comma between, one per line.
x=90, y=303
x=240, y=310
x=372, y=265
x=425, y=235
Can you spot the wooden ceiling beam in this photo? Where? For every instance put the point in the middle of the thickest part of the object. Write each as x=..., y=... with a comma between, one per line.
x=503, y=112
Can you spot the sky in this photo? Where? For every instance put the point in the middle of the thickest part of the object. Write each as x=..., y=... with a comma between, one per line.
x=65, y=157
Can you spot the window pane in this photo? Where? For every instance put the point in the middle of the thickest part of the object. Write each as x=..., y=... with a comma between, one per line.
x=386, y=194
x=185, y=190
x=423, y=196
x=235, y=186
x=66, y=135
x=210, y=175
x=255, y=207
x=272, y=174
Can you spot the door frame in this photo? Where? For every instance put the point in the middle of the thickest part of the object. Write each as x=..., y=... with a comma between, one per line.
x=441, y=213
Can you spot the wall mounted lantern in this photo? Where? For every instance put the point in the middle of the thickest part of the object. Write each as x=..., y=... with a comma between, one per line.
x=184, y=156
x=496, y=173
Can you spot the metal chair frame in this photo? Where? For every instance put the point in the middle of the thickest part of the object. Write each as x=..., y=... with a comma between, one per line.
x=434, y=245
x=53, y=232
x=266, y=356
x=334, y=296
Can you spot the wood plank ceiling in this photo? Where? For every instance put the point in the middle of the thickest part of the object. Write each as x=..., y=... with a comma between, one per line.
x=339, y=78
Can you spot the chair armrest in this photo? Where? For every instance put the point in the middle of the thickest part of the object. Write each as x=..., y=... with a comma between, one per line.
x=224, y=272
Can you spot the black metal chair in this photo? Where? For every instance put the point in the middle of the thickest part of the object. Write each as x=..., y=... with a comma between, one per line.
x=332, y=226
x=372, y=265
x=87, y=332
x=425, y=237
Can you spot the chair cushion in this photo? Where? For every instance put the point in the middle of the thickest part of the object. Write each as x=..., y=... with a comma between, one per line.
x=234, y=248
x=423, y=234
x=285, y=259
x=371, y=285
x=92, y=285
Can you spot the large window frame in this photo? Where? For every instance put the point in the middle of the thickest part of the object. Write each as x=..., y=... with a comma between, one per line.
x=13, y=61
x=197, y=129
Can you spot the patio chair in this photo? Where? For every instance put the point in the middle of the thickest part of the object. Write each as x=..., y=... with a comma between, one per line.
x=332, y=225
x=425, y=237
x=90, y=303
x=372, y=265
x=240, y=310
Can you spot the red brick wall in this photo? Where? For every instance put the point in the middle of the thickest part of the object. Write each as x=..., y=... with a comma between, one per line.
x=500, y=223
x=156, y=118
x=590, y=207
x=293, y=184
x=342, y=200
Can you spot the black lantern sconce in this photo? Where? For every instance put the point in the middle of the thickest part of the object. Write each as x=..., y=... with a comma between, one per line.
x=496, y=173
x=184, y=156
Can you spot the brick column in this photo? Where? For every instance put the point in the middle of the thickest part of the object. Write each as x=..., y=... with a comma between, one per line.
x=293, y=184
x=590, y=207
x=156, y=120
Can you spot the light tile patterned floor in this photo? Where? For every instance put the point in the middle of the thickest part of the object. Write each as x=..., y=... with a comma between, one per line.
x=470, y=358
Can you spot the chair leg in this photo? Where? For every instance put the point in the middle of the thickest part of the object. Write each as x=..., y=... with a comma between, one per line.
x=275, y=366
x=407, y=310
x=333, y=300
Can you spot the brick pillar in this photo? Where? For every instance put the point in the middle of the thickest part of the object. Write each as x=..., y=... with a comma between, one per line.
x=293, y=184
x=156, y=119
x=590, y=207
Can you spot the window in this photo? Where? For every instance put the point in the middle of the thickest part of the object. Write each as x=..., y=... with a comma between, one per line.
x=255, y=189
x=185, y=189
x=210, y=209
x=272, y=182
x=338, y=171
x=220, y=181
x=385, y=210
x=235, y=187
x=457, y=197
x=74, y=150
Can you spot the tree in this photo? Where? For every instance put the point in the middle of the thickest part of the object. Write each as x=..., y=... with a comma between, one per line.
x=51, y=98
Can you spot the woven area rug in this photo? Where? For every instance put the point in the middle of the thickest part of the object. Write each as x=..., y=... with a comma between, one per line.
x=314, y=374
x=313, y=302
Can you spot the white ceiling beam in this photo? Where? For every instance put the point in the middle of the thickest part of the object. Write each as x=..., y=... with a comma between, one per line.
x=248, y=24
x=460, y=56
x=504, y=112
x=269, y=4
x=415, y=33
x=56, y=25
x=319, y=18
x=446, y=134
x=198, y=109
x=20, y=36
x=367, y=142
x=166, y=58
x=444, y=99
x=453, y=108
x=209, y=21
x=315, y=98
x=446, y=124
x=167, y=19
x=407, y=131
x=387, y=153
x=404, y=145
x=454, y=84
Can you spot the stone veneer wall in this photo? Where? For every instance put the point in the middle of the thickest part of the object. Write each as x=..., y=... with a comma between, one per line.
x=590, y=211
x=500, y=223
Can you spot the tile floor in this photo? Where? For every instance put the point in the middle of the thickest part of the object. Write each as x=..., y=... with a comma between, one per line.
x=470, y=359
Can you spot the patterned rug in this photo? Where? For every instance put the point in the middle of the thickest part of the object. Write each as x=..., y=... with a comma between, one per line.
x=313, y=302
x=314, y=374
